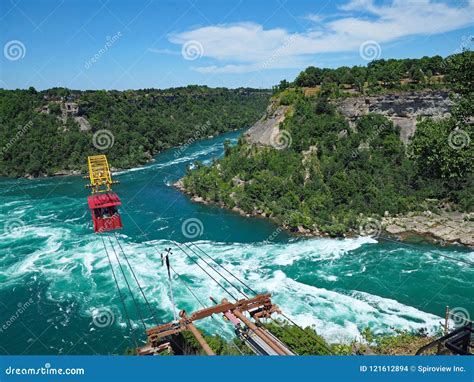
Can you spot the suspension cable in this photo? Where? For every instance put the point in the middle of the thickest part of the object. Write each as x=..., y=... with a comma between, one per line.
x=430, y=252
x=120, y=294
x=293, y=335
x=128, y=285
x=220, y=265
x=215, y=270
x=184, y=283
x=199, y=265
x=282, y=327
x=202, y=304
x=309, y=332
x=136, y=279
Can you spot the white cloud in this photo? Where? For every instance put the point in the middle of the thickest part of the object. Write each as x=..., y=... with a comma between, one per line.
x=314, y=17
x=247, y=47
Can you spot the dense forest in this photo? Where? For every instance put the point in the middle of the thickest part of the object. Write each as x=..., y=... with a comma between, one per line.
x=329, y=175
x=40, y=136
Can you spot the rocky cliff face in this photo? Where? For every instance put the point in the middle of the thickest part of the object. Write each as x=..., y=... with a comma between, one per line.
x=264, y=130
x=402, y=108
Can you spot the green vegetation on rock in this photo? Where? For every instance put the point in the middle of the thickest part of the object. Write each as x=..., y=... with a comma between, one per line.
x=329, y=177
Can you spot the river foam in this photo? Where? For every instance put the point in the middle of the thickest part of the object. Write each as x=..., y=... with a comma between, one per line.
x=81, y=273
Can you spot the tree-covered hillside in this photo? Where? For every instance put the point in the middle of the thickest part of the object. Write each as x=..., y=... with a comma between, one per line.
x=378, y=75
x=39, y=135
x=322, y=175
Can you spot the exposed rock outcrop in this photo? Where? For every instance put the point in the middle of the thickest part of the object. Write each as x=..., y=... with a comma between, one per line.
x=264, y=130
x=84, y=124
x=443, y=227
x=402, y=108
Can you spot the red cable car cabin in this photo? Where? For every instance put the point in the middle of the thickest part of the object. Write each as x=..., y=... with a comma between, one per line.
x=104, y=211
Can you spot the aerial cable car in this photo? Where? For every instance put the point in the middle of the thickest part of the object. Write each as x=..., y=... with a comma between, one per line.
x=103, y=202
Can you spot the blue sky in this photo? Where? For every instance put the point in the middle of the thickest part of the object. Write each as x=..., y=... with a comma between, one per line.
x=127, y=44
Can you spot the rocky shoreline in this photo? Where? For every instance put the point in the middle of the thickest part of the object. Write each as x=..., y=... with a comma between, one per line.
x=442, y=228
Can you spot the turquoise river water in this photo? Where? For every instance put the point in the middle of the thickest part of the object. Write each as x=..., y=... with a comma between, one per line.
x=58, y=296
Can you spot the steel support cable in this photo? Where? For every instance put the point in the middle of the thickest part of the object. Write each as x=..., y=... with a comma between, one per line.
x=201, y=303
x=195, y=262
x=227, y=280
x=120, y=294
x=199, y=265
x=128, y=285
x=136, y=280
x=287, y=331
x=230, y=273
x=215, y=270
x=146, y=236
x=431, y=253
x=309, y=333
x=317, y=339
x=306, y=341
